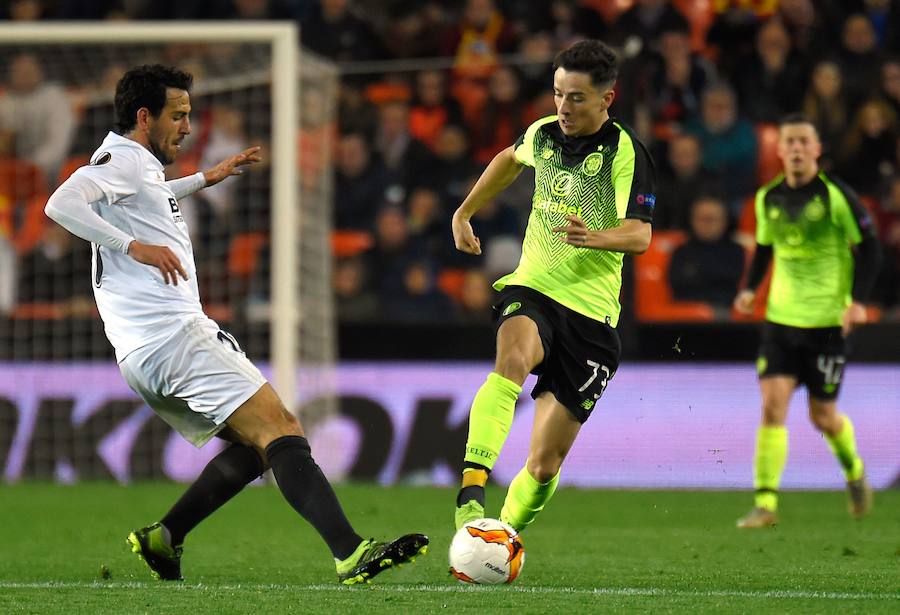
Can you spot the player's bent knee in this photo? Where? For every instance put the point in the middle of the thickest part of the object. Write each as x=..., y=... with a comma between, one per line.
x=543, y=469
x=514, y=366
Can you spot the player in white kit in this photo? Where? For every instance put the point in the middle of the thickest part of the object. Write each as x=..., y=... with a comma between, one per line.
x=191, y=373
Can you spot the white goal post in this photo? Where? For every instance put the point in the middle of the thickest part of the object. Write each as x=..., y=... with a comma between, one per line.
x=285, y=185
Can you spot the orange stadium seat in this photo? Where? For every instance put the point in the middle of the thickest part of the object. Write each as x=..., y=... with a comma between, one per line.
x=243, y=253
x=450, y=282
x=346, y=243
x=652, y=294
x=72, y=164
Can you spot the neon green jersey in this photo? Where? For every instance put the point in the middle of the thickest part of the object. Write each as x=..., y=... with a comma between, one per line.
x=602, y=178
x=811, y=229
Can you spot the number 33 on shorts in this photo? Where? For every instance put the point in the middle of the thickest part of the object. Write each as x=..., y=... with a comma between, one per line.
x=596, y=370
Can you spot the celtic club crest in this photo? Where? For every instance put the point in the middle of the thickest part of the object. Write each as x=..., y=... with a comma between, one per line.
x=591, y=165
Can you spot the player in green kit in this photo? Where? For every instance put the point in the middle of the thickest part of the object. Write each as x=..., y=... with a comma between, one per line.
x=826, y=260
x=557, y=312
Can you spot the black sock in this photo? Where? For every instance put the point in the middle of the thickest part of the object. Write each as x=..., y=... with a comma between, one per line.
x=221, y=480
x=472, y=492
x=306, y=489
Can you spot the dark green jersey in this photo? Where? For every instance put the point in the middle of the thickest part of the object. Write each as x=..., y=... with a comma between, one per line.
x=603, y=178
x=811, y=229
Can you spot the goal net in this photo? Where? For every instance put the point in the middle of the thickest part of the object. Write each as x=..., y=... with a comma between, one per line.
x=261, y=240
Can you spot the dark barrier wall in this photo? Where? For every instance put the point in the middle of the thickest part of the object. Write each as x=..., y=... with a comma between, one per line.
x=43, y=340
x=658, y=425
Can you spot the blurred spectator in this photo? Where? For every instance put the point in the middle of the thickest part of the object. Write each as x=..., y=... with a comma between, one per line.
x=58, y=271
x=414, y=29
x=503, y=118
x=732, y=35
x=813, y=28
x=826, y=105
x=259, y=9
x=672, y=84
x=729, y=144
x=225, y=136
x=890, y=83
x=887, y=290
x=362, y=183
x=454, y=167
x=637, y=28
x=502, y=256
x=537, y=52
x=867, y=155
x=428, y=220
x=405, y=157
x=23, y=194
x=393, y=250
x=355, y=301
x=477, y=40
x=565, y=21
x=355, y=113
x=418, y=300
x=38, y=114
x=884, y=16
x=771, y=81
x=475, y=298
x=24, y=10
x=681, y=182
x=859, y=58
x=332, y=30
x=475, y=43
x=709, y=266
x=432, y=107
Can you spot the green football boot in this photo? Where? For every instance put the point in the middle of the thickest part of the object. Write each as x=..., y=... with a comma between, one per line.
x=152, y=545
x=470, y=511
x=373, y=557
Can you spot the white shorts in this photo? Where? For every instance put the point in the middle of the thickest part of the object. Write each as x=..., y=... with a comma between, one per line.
x=194, y=380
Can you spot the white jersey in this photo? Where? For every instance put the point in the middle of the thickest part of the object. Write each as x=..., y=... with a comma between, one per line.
x=137, y=306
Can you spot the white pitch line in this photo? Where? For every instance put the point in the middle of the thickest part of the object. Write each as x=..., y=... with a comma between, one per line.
x=600, y=591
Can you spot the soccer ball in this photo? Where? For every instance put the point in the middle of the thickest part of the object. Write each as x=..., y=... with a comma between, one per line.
x=487, y=552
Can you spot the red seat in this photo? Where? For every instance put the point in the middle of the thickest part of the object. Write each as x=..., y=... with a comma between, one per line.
x=347, y=243
x=450, y=282
x=243, y=253
x=768, y=164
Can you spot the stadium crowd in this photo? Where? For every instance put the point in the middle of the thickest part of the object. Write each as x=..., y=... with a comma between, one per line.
x=431, y=90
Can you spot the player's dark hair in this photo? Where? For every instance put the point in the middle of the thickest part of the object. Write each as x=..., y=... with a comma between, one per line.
x=593, y=57
x=796, y=118
x=145, y=86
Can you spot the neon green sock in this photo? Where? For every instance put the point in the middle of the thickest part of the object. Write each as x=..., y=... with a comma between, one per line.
x=526, y=498
x=768, y=464
x=490, y=419
x=843, y=445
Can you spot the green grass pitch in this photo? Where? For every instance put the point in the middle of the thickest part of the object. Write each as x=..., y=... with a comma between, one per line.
x=590, y=551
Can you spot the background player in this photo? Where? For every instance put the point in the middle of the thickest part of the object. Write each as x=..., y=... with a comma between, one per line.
x=194, y=375
x=810, y=221
x=557, y=312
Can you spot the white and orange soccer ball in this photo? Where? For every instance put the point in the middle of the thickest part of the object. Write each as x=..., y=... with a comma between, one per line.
x=487, y=552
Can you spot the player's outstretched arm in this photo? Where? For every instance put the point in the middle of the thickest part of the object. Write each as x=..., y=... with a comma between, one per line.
x=499, y=174
x=632, y=236
x=230, y=166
